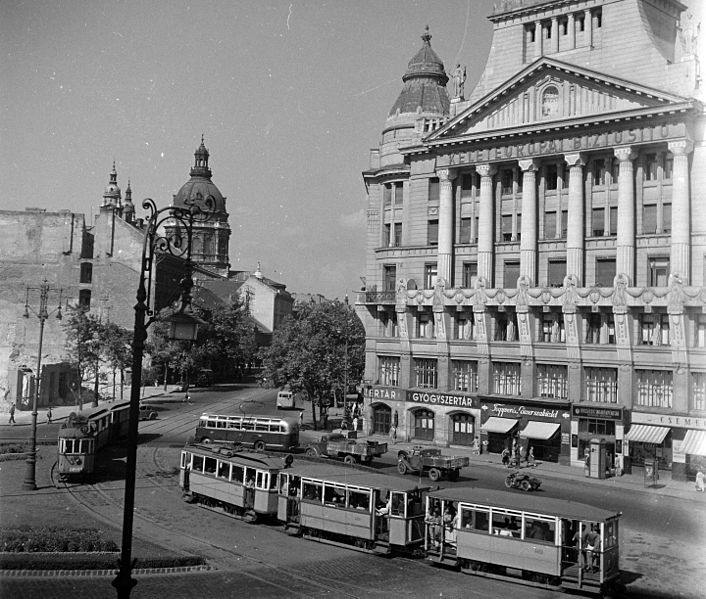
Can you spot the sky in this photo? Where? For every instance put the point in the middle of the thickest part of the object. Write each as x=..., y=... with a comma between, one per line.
x=290, y=96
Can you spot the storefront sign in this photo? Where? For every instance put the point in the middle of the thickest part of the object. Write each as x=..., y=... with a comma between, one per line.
x=505, y=411
x=442, y=399
x=593, y=412
x=389, y=393
x=578, y=143
x=669, y=420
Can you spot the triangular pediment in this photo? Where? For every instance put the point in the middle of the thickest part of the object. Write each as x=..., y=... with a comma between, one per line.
x=550, y=92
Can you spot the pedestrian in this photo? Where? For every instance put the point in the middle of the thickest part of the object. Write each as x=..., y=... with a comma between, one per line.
x=530, y=457
x=393, y=434
x=700, y=481
x=12, y=414
x=301, y=418
x=505, y=457
x=355, y=423
x=49, y=415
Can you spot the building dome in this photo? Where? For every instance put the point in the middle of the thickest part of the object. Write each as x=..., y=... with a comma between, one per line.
x=200, y=184
x=111, y=194
x=425, y=82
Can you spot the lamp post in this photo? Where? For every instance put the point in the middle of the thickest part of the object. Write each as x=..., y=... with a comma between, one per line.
x=29, y=483
x=196, y=210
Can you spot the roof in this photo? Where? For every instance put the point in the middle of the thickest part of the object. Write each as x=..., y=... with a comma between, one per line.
x=536, y=503
x=350, y=475
x=244, y=457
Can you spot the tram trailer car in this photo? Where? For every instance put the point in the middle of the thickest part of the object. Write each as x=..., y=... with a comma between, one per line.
x=82, y=436
x=238, y=482
x=352, y=507
x=525, y=538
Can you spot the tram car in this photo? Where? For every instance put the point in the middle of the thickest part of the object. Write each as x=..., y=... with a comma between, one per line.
x=355, y=508
x=238, y=482
x=540, y=541
x=82, y=436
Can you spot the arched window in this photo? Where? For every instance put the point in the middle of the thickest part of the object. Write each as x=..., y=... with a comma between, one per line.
x=550, y=101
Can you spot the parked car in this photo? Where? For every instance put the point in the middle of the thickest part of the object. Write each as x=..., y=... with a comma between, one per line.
x=147, y=413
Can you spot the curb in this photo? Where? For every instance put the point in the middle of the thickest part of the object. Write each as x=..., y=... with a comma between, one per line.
x=103, y=572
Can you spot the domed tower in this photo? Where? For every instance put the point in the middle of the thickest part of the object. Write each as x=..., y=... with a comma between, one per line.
x=209, y=246
x=111, y=195
x=423, y=98
x=128, y=206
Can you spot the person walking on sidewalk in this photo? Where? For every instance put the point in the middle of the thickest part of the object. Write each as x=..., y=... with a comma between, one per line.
x=12, y=414
x=701, y=481
x=393, y=434
x=49, y=415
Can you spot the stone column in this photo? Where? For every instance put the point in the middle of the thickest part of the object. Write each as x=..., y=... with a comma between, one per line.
x=625, y=242
x=485, y=223
x=571, y=31
x=588, y=26
x=575, y=229
x=679, y=261
x=528, y=239
x=538, y=39
x=446, y=225
x=555, y=35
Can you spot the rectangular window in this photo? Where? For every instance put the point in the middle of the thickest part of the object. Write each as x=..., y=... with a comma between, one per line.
x=506, y=378
x=613, y=220
x=470, y=274
x=600, y=328
x=666, y=218
x=654, y=388
x=399, y=193
x=552, y=381
x=654, y=329
x=668, y=166
x=564, y=223
x=605, y=272
x=507, y=227
x=658, y=271
x=649, y=219
x=700, y=331
x=506, y=181
x=86, y=272
x=84, y=299
x=601, y=385
x=511, y=274
x=465, y=231
x=698, y=390
x=388, y=324
x=466, y=186
x=87, y=242
x=433, y=232
x=550, y=225
x=424, y=325
x=556, y=273
x=430, y=273
x=389, y=274
x=650, y=167
x=598, y=222
x=425, y=373
x=389, y=371
x=551, y=177
x=387, y=235
x=552, y=330
x=463, y=326
x=387, y=195
x=465, y=375
x=433, y=189
x=599, y=171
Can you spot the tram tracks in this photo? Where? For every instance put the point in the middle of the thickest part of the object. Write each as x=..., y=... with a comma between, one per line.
x=162, y=522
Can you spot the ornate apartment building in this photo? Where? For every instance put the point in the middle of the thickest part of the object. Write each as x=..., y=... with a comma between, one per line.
x=536, y=252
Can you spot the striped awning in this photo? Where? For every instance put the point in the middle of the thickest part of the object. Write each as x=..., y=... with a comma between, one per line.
x=540, y=430
x=694, y=443
x=643, y=433
x=495, y=424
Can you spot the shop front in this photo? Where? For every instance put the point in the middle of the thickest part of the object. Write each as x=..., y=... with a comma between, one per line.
x=383, y=406
x=442, y=418
x=540, y=426
x=594, y=422
x=677, y=441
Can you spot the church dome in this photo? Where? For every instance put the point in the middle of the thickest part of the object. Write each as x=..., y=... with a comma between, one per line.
x=425, y=80
x=200, y=184
x=111, y=194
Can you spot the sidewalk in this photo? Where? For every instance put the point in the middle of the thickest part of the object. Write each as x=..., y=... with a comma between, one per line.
x=60, y=413
x=666, y=486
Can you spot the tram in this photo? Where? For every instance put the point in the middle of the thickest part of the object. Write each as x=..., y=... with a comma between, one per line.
x=238, y=482
x=540, y=541
x=355, y=508
x=82, y=436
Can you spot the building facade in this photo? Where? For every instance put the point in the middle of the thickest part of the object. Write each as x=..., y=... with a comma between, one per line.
x=536, y=253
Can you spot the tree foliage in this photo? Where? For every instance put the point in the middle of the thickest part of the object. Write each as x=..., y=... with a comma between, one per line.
x=318, y=348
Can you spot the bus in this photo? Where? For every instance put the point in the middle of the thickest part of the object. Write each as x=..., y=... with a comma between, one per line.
x=285, y=399
x=260, y=432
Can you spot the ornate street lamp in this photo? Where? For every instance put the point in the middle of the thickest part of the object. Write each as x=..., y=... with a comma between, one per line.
x=181, y=221
x=30, y=483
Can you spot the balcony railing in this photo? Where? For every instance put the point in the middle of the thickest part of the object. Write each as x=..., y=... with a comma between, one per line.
x=376, y=297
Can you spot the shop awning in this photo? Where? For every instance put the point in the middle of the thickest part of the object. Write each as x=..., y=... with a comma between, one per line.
x=540, y=430
x=694, y=443
x=495, y=424
x=643, y=433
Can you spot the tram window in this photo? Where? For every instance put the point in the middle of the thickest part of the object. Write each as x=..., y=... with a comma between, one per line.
x=480, y=520
x=233, y=424
x=263, y=480
x=248, y=425
x=359, y=500
x=505, y=524
x=273, y=481
x=211, y=423
x=610, y=534
x=221, y=424
x=198, y=463
x=184, y=459
x=312, y=491
x=335, y=495
x=210, y=466
x=223, y=470
x=539, y=530
x=262, y=426
x=397, y=505
x=414, y=504
x=237, y=474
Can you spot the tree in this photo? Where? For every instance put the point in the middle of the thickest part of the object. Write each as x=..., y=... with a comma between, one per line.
x=82, y=343
x=318, y=347
x=116, y=349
